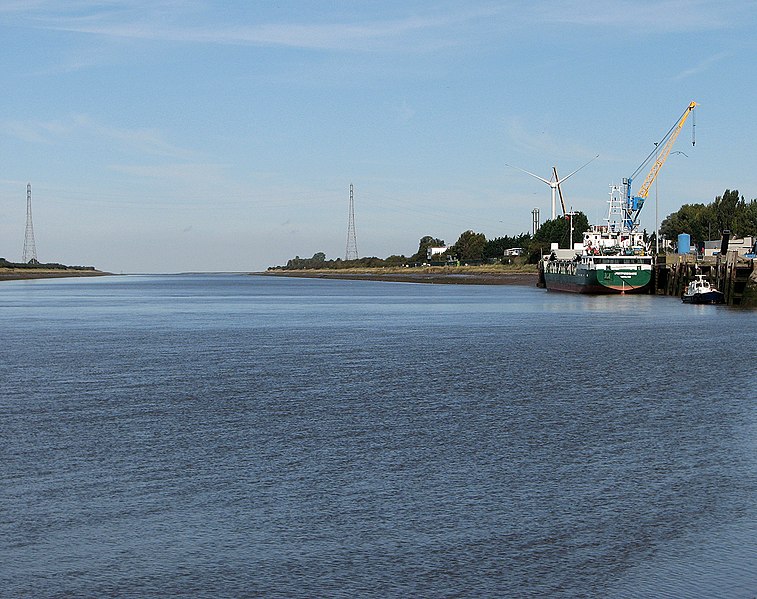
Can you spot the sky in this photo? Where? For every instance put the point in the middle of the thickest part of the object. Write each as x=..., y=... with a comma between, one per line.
x=174, y=136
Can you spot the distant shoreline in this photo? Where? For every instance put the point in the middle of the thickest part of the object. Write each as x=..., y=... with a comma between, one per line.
x=16, y=274
x=444, y=275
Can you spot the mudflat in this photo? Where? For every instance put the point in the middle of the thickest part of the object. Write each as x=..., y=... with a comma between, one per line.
x=453, y=275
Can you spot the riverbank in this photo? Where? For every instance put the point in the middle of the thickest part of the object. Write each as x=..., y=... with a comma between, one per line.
x=14, y=274
x=444, y=275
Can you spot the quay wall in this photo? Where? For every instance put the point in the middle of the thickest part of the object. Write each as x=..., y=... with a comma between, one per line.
x=732, y=274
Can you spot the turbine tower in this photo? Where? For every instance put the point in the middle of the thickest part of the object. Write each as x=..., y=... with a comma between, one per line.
x=553, y=182
x=30, y=249
x=351, y=252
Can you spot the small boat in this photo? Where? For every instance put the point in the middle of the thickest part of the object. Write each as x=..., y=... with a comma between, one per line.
x=700, y=291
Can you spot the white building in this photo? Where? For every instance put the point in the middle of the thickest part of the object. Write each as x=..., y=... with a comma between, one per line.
x=435, y=251
x=742, y=246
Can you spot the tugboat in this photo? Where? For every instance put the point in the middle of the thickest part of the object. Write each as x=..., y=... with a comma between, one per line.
x=699, y=291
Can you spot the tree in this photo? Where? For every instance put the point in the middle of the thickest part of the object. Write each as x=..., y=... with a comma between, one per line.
x=495, y=248
x=395, y=260
x=557, y=231
x=317, y=261
x=746, y=220
x=469, y=246
x=729, y=211
x=427, y=241
x=725, y=209
x=695, y=219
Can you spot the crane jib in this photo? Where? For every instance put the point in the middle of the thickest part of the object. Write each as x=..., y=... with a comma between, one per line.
x=661, y=153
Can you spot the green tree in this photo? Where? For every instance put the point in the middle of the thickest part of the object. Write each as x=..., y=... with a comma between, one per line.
x=557, y=230
x=395, y=260
x=317, y=261
x=469, y=246
x=495, y=248
x=695, y=219
x=729, y=211
x=426, y=242
x=725, y=209
x=746, y=220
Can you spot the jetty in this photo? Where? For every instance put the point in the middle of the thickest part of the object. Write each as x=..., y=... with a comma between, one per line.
x=730, y=272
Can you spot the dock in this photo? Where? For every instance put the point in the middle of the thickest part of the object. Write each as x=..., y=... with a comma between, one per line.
x=731, y=273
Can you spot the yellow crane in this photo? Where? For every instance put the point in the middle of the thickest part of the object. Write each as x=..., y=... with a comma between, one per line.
x=660, y=154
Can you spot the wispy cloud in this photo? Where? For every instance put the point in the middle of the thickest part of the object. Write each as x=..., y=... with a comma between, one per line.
x=149, y=141
x=35, y=132
x=701, y=66
x=292, y=35
x=191, y=23
x=541, y=141
x=412, y=26
x=185, y=172
x=642, y=15
x=184, y=183
x=143, y=140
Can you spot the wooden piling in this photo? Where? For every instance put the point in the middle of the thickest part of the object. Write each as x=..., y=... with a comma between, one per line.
x=730, y=273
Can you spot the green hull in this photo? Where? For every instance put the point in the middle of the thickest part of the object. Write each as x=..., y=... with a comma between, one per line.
x=567, y=276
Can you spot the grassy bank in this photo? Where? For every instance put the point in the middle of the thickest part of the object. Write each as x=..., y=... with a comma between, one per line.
x=11, y=274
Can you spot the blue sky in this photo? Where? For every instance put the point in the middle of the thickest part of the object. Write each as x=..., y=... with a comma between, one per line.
x=168, y=136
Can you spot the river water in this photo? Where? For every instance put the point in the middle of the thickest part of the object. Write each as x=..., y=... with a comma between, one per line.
x=243, y=436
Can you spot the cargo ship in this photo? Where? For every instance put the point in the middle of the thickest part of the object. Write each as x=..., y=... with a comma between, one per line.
x=598, y=274
x=611, y=259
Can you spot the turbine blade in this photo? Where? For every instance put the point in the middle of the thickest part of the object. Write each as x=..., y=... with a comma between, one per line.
x=578, y=169
x=529, y=173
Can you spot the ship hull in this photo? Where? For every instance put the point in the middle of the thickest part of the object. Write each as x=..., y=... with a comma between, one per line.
x=593, y=285
x=595, y=277
x=710, y=297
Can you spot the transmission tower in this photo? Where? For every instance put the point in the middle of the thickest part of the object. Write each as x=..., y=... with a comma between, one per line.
x=30, y=249
x=351, y=253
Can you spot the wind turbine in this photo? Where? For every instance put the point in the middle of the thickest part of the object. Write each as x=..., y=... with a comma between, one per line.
x=554, y=182
x=559, y=190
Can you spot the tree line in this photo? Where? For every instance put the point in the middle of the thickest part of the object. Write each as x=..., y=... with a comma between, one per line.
x=470, y=248
x=702, y=221
x=41, y=266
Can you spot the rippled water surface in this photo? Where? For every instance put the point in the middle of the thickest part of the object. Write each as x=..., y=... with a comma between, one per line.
x=233, y=436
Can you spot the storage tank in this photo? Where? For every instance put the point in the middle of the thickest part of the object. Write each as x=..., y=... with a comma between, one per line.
x=684, y=243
